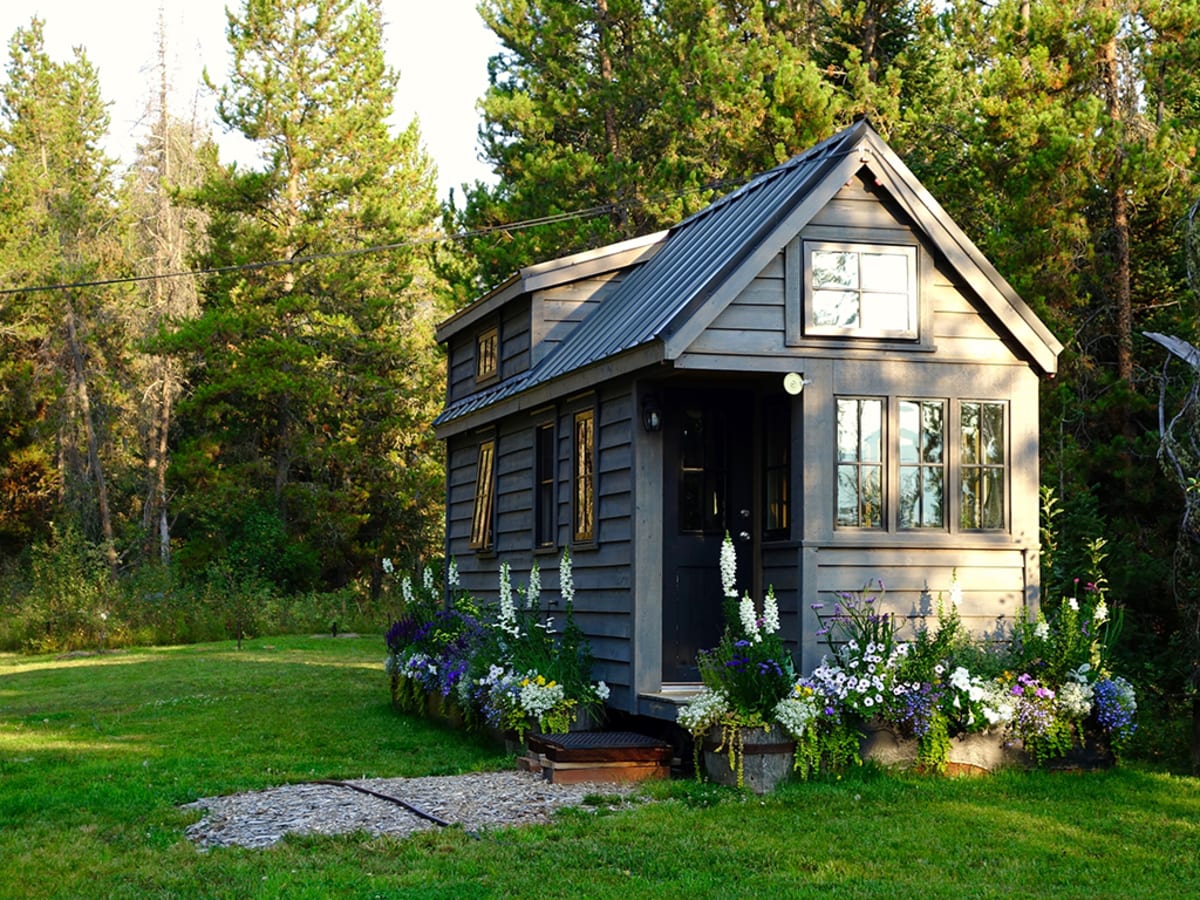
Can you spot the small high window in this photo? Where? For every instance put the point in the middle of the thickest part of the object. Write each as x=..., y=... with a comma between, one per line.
x=584, y=477
x=860, y=290
x=487, y=354
x=481, y=518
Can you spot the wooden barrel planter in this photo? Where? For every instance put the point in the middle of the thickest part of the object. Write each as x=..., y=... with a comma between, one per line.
x=766, y=757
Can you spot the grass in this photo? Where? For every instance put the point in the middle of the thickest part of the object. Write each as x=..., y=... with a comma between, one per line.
x=97, y=754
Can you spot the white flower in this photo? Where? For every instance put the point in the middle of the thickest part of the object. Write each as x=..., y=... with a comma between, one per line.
x=452, y=577
x=703, y=711
x=406, y=590
x=602, y=690
x=1041, y=631
x=960, y=678
x=749, y=621
x=388, y=568
x=534, y=592
x=770, y=612
x=566, y=581
x=956, y=594
x=728, y=567
x=428, y=573
x=1100, y=616
x=507, y=621
x=1073, y=603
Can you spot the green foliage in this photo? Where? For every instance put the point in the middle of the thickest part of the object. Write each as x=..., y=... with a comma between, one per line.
x=86, y=815
x=313, y=384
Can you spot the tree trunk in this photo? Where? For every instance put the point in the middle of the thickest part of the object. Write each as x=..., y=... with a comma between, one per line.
x=93, y=450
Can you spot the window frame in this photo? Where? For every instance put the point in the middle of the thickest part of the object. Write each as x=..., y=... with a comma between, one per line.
x=960, y=480
x=1003, y=467
x=921, y=465
x=777, y=473
x=881, y=466
x=487, y=362
x=483, y=511
x=808, y=292
x=583, y=477
x=545, y=485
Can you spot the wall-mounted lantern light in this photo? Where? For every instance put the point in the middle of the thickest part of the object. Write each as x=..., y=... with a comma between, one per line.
x=651, y=414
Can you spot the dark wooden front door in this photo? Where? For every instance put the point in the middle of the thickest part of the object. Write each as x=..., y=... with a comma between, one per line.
x=708, y=482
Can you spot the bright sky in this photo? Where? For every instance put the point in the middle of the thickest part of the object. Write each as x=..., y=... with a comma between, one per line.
x=440, y=48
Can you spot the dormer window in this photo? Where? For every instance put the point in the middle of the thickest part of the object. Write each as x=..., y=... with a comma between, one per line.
x=487, y=354
x=860, y=290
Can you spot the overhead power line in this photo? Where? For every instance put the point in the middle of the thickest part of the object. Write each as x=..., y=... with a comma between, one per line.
x=523, y=225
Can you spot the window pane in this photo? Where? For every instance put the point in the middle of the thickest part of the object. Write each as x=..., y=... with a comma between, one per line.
x=970, y=433
x=872, y=497
x=885, y=272
x=932, y=423
x=835, y=269
x=836, y=308
x=993, y=432
x=847, y=428
x=910, y=431
x=872, y=430
x=992, y=501
x=847, y=495
x=931, y=506
x=584, y=480
x=910, y=497
x=885, y=312
x=481, y=516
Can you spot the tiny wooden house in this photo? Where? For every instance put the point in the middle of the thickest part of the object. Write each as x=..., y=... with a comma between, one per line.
x=820, y=364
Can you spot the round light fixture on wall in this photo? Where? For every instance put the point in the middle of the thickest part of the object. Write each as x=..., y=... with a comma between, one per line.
x=793, y=383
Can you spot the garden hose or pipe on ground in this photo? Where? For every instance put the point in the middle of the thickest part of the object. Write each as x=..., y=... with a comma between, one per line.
x=370, y=793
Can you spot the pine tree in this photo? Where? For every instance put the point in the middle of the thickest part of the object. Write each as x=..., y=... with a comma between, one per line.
x=306, y=448
x=63, y=349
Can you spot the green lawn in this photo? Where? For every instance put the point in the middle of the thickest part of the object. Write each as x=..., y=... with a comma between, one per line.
x=96, y=754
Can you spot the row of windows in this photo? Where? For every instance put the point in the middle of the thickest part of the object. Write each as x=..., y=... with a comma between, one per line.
x=545, y=518
x=920, y=463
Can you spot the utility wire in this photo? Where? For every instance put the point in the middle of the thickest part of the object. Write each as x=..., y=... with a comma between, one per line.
x=523, y=225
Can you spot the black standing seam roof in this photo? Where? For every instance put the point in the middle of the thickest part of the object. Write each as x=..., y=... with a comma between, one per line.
x=696, y=255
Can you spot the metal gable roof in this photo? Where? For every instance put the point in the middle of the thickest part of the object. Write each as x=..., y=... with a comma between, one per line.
x=716, y=248
x=697, y=254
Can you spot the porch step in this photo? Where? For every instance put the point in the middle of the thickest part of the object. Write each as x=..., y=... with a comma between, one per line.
x=599, y=756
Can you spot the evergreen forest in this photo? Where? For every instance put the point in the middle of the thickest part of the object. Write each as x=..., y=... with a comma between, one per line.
x=217, y=380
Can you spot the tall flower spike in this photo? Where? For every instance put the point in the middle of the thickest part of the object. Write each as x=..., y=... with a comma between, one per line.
x=535, y=587
x=566, y=581
x=508, y=613
x=749, y=621
x=452, y=576
x=770, y=612
x=728, y=567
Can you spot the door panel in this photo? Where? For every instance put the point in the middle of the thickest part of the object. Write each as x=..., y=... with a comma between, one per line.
x=707, y=487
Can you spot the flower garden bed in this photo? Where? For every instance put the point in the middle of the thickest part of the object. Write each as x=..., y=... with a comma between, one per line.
x=941, y=702
x=507, y=670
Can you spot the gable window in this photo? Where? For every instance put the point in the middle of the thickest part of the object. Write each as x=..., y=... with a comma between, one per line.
x=984, y=474
x=922, y=464
x=545, y=463
x=777, y=446
x=481, y=517
x=860, y=290
x=487, y=354
x=860, y=463
x=584, y=517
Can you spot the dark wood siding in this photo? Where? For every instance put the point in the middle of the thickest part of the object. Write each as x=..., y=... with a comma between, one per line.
x=557, y=310
x=602, y=569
